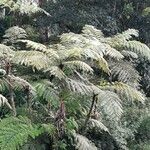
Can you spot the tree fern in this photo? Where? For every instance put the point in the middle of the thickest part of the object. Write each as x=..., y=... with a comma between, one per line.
x=124, y=71
x=110, y=105
x=141, y=49
x=56, y=72
x=37, y=60
x=6, y=52
x=97, y=126
x=78, y=65
x=125, y=91
x=13, y=34
x=124, y=36
x=81, y=87
x=82, y=143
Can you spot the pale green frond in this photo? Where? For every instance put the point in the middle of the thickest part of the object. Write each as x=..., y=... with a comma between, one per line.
x=51, y=53
x=124, y=72
x=4, y=101
x=14, y=132
x=28, y=8
x=125, y=91
x=139, y=48
x=112, y=52
x=6, y=52
x=129, y=54
x=82, y=143
x=97, y=126
x=13, y=34
x=37, y=60
x=72, y=39
x=110, y=105
x=102, y=64
x=7, y=3
x=78, y=65
x=56, y=71
x=146, y=11
x=91, y=32
x=81, y=87
x=123, y=37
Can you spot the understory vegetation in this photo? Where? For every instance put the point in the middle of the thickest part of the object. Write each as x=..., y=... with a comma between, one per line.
x=74, y=75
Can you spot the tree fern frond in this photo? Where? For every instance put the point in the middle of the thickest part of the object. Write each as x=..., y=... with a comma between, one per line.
x=129, y=54
x=124, y=72
x=14, y=132
x=40, y=47
x=97, y=125
x=110, y=105
x=112, y=52
x=123, y=37
x=45, y=90
x=72, y=39
x=37, y=60
x=56, y=71
x=139, y=48
x=82, y=143
x=6, y=52
x=92, y=32
x=21, y=83
x=102, y=63
x=13, y=34
x=28, y=8
x=125, y=91
x=4, y=101
x=81, y=87
x=79, y=65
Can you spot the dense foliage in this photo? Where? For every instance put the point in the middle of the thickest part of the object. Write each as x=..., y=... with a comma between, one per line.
x=74, y=75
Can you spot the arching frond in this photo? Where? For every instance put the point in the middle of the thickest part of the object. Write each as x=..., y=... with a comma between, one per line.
x=13, y=34
x=78, y=65
x=82, y=143
x=6, y=52
x=125, y=91
x=81, y=87
x=4, y=101
x=102, y=63
x=14, y=132
x=21, y=83
x=129, y=54
x=97, y=125
x=51, y=53
x=72, y=39
x=123, y=37
x=139, y=48
x=124, y=72
x=112, y=52
x=91, y=32
x=37, y=60
x=28, y=8
x=56, y=71
x=110, y=105
x=45, y=90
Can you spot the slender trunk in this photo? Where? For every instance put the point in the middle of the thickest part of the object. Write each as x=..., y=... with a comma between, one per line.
x=89, y=114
